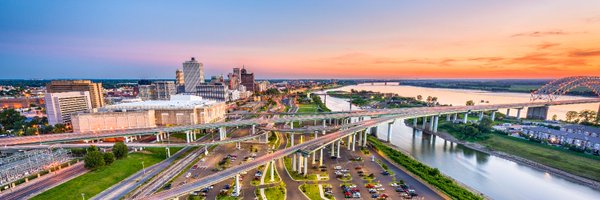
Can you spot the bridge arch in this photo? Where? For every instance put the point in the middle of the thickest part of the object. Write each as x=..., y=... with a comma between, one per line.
x=555, y=88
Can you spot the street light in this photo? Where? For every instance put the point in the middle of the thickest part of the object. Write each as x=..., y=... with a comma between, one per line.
x=143, y=168
x=83, y=196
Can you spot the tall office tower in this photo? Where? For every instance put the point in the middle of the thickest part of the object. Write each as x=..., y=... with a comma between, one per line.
x=164, y=89
x=193, y=74
x=234, y=81
x=95, y=89
x=147, y=92
x=60, y=106
x=247, y=80
x=179, y=77
x=237, y=72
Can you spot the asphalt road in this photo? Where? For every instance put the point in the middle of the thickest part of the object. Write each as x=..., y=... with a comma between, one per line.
x=44, y=183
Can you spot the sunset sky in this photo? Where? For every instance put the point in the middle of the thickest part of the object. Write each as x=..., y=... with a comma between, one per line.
x=301, y=39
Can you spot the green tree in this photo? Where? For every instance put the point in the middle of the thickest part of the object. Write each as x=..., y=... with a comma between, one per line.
x=554, y=117
x=470, y=103
x=92, y=148
x=10, y=119
x=120, y=150
x=109, y=158
x=93, y=160
x=485, y=125
x=419, y=97
x=587, y=116
x=571, y=116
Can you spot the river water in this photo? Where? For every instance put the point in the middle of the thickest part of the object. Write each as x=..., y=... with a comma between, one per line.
x=495, y=177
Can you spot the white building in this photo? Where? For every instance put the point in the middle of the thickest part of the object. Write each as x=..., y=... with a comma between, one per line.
x=105, y=121
x=217, y=92
x=180, y=110
x=60, y=106
x=193, y=75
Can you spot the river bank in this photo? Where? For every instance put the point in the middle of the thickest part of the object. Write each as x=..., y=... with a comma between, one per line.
x=478, y=147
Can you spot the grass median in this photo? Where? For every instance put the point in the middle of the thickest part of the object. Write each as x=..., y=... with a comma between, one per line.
x=98, y=180
x=429, y=174
x=576, y=163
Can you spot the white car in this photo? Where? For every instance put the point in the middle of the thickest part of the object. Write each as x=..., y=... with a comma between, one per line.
x=394, y=184
x=337, y=167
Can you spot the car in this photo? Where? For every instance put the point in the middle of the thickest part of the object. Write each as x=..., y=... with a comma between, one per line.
x=188, y=175
x=227, y=187
x=203, y=159
x=168, y=186
x=372, y=191
x=323, y=169
x=323, y=166
x=337, y=167
x=195, y=167
x=380, y=189
x=404, y=186
x=385, y=173
x=412, y=193
x=196, y=176
x=358, y=168
x=333, y=157
x=394, y=184
x=399, y=189
x=374, y=195
x=378, y=185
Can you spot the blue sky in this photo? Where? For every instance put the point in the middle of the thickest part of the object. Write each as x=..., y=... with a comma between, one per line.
x=286, y=39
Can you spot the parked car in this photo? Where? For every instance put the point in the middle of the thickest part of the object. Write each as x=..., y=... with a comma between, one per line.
x=385, y=173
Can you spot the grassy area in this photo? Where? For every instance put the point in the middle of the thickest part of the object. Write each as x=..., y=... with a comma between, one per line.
x=268, y=175
x=295, y=175
x=96, y=181
x=572, y=162
x=275, y=192
x=311, y=190
x=307, y=108
x=430, y=175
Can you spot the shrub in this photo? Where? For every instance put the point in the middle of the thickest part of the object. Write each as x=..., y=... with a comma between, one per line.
x=120, y=150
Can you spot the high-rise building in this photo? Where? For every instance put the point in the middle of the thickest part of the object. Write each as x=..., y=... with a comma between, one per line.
x=147, y=92
x=214, y=91
x=60, y=106
x=95, y=89
x=179, y=77
x=193, y=75
x=262, y=86
x=164, y=89
x=247, y=80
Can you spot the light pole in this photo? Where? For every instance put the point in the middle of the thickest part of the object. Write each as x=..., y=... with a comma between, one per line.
x=143, y=168
x=83, y=196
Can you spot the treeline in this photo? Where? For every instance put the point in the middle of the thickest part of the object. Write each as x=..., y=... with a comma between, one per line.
x=317, y=100
x=94, y=159
x=429, y=174
x=585, y=117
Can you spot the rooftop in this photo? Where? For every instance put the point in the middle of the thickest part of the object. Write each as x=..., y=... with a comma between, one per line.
x=176, y=102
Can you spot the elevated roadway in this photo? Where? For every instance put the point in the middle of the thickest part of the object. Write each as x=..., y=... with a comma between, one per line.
x=405, y=112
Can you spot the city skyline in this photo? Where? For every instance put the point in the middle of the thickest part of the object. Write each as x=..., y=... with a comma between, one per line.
x=391, y=40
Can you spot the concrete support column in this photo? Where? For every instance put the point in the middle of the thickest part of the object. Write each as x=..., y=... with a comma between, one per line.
x=349, y=141
x=508, y=112
x=519, y=112
x=447, y=117
x=367, y=132
x=294, y=162
x=435, y=123
x=466, y=117
x=424, y=122
x=238, y=145
x=332, y=150
x=339, y=143
x=187, y=137
x=222, y=133
x=415, y=120
x=158, y=137
x=493, y=115
x=253, y=129
x=455, y=117
x=168, y=152
x=354, y=142
x=272, y=170
x=205, y=150
x=431, y=123
x=360, y=138
x=314, y=157
x=301, y=139
x=237, y=184
x=292, y=139
x=300, y=162
x=324, y=123
x=389, y=132
x=305, y=165
x=480, y=115
x=321, y=158
x=292, y=125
